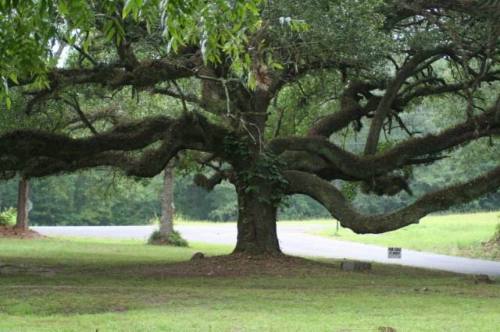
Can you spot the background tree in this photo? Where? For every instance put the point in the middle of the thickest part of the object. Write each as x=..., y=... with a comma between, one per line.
x=23, y=207
x=231, y=63
x=167, y=202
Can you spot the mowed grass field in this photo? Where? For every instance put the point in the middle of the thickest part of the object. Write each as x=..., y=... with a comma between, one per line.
x=460, y=235
x=89, y=285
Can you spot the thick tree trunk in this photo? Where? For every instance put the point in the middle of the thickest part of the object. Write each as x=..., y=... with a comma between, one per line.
x=22, y=204
x=256, y=225
x=167, y=202
x=255, y=186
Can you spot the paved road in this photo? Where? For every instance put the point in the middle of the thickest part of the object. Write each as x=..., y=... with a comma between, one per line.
x=294, y=240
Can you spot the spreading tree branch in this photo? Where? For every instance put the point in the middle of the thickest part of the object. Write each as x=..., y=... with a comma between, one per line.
x=334, y=201
x=325, y=154
x=391, y=93
x=40, y=153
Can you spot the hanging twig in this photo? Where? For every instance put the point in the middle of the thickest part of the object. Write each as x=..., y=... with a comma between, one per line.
x=76, y=106
x=183, y=98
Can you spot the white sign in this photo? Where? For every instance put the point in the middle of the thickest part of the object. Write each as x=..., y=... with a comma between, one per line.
x=394, y=253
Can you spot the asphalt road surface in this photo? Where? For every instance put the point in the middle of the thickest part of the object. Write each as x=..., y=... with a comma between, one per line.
x=294, y=240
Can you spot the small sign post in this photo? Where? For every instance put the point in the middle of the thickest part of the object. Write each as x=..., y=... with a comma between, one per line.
x=394, y=253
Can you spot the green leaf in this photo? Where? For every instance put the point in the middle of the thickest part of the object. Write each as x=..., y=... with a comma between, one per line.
x=8, y=102
x=13, y=78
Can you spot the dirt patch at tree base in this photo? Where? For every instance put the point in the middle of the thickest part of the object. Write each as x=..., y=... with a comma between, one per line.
x=242, y=265
x=12, y=232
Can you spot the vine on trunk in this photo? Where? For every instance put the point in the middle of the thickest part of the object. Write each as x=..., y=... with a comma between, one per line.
x=258, y=170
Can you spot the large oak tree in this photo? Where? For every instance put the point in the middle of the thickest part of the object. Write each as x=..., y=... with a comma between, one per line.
x=229, y=63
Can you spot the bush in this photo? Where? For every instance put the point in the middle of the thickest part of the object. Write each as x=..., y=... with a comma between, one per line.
x=8, y=217
x=174, y=239
x=496, y=237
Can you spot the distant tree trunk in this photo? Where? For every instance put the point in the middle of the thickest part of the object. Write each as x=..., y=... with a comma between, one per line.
x=167, y=201
x=22, y=204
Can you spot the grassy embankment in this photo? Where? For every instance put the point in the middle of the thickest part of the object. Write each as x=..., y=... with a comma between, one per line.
x=460, y=235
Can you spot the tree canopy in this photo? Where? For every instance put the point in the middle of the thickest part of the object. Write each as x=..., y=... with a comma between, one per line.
x=266, y=90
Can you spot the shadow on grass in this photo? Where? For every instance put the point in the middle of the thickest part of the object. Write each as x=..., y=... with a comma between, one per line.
x=53, y=277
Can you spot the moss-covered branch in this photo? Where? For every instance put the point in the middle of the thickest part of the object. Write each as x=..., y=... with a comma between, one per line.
x=325, y=155
x=332, y=199
x=140, y=148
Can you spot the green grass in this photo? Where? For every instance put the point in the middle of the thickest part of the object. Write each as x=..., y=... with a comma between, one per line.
x=460, y=235
x=104, y=286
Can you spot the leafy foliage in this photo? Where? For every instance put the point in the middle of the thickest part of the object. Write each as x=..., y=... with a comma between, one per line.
x=29, y=30
x=8, y=217
x=343, y=29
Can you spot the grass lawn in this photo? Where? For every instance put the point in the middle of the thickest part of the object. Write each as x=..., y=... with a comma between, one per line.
x=89, y=285
x=460, y=235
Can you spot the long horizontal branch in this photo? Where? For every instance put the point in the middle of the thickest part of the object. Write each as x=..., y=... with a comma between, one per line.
x=145, y=164
x=145, y=74
x=25, y=144
x=41, y=153
x=405, y=153
x=333, y=200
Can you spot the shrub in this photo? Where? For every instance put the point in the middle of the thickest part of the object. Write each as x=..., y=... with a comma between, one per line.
x=173, y=239
x=496, y=237
x=8, y=217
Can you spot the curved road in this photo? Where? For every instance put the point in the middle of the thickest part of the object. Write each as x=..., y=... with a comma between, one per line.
x=294, y=240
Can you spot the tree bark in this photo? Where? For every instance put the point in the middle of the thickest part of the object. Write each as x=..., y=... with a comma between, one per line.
x=167, y=202
x=255, y=187
x=22, y=204
x=256, y=224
